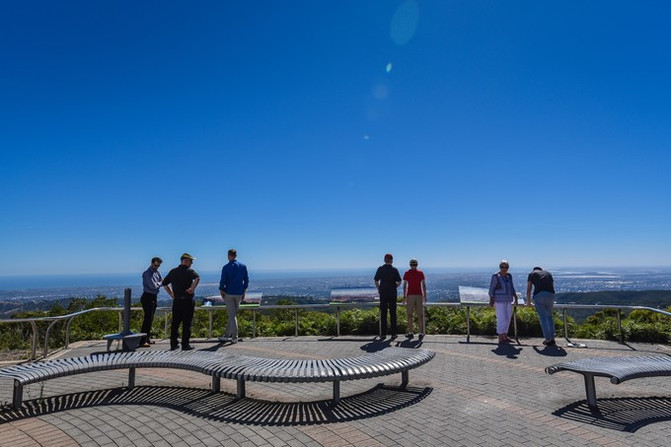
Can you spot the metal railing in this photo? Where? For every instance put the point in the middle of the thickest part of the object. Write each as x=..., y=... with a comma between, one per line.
x=296, y=308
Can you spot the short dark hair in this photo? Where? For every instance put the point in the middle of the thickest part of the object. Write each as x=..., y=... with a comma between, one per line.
x=538, y=268
x=156, y=259
x=233, y=252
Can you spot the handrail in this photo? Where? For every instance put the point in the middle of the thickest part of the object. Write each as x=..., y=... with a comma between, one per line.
x=54, y=319
x=296, y=307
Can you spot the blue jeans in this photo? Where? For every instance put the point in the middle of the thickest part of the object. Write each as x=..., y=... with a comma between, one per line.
x=544, y=302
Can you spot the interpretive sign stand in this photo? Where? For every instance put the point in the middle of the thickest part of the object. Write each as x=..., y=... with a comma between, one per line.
x=130, y=341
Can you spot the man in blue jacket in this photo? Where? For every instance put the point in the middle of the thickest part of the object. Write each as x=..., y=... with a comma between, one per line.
x=233, y=285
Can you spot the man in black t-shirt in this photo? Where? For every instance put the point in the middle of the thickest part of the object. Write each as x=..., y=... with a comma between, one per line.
x=184, y=281
x=543, y=299
x=387, y=279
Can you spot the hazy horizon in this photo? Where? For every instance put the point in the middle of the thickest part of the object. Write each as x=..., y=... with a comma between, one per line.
x=19, y=282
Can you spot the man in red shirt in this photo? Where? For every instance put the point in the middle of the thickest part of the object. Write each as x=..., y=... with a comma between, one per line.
x=414, y=297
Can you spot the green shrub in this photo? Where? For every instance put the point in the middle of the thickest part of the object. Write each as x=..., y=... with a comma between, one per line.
x=638, y=325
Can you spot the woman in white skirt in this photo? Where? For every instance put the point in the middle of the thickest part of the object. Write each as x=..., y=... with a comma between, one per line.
x=501, y=296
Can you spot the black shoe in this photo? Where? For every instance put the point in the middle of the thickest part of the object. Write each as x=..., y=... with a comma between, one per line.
x=187, y=348
x=409, y=336
x=172, y=348
x=393, y=337
x=551, y=343
x=383, y=336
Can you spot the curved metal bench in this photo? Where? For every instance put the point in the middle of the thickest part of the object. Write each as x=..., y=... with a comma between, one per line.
x=619, y=369
x=228, y=365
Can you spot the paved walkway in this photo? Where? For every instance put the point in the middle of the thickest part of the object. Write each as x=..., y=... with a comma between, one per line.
x=470, y=394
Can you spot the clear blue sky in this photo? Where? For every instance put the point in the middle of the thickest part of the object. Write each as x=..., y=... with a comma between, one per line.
x=322, y=134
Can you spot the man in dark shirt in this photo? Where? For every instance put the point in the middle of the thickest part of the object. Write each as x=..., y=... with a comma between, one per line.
x=387, y=279
x=184, y=281
x=543, y=300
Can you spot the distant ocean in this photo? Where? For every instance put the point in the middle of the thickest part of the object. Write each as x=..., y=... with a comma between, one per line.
x=442, y=284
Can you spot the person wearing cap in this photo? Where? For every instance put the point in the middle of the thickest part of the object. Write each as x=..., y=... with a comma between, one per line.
x=151, y=284
x=184, y=281
x=232, y=286
x=387, y=279
x=501, y=295
x=543, y=299
x=414, y=297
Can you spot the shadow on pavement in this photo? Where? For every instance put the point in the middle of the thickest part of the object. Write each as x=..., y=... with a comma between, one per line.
x=378, y=344
x=415, y=343
x=552, y=351
x=225, y=407
x=509, y=351
x=626, y=414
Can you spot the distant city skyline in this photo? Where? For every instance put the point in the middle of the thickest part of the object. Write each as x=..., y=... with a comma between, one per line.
x=322, y=135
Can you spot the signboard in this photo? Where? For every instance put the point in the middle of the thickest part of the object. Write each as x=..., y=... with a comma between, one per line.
x=354, y=295
x=476, y=295
x=251, y=299
x=473, y=295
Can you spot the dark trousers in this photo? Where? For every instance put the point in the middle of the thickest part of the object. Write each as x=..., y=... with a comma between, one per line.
x=388, y=303
x=148, y=301
x=182, y=313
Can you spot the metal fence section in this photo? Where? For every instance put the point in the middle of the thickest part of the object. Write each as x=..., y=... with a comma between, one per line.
x=339, y=308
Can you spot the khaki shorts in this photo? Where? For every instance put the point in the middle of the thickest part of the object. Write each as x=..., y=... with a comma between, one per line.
x=415, y=304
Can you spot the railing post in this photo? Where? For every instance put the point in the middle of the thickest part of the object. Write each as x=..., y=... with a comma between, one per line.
x=468, y=324
x=253, y=322
x=619, y=324
x=565, y=325
x=46, y=338
x=296, y=310
x=67, y=332
x=33, y=341
x=126, y=311
x=379, y=324
x=209, y=334
x=338, y=321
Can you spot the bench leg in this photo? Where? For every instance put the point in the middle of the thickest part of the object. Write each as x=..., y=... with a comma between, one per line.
x=131, y=377
x=405, y=378
x=336, y=392
x=590, y=390
x=18, y=395
x=241, y=389
x=216, y=383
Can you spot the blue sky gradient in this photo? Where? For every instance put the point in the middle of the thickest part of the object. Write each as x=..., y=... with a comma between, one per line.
x=323, y=134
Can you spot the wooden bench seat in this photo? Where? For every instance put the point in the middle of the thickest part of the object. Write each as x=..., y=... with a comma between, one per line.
x=226, y=364
x=619, y=369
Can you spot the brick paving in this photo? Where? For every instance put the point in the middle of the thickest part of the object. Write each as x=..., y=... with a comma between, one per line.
x=470, y=394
